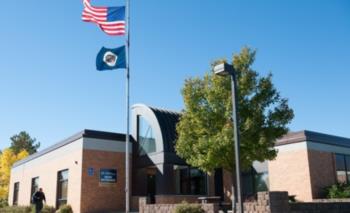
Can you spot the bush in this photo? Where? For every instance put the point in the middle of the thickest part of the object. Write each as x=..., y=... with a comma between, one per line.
x=65, y=209
x=3, y=203
x=16, y=209
x=48, y=209
x=188, y=208
x=338, y=191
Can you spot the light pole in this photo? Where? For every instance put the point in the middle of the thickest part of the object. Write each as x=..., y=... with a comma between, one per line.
x=225, y=69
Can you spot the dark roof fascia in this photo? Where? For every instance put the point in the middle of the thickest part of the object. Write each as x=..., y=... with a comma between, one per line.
x=316, y=137
x=105, y=135
x=87, y=133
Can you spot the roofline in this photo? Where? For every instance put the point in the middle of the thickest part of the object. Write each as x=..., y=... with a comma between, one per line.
x=155, y=108
x=311, y=136
x=86, y=133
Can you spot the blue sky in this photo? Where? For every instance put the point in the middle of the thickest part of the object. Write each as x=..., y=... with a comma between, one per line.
x=49, y=86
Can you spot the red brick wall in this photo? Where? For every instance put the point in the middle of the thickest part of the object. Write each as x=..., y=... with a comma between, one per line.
x=97, y=197
x=322, y=171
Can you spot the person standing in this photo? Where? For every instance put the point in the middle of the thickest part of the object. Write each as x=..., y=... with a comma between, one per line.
x=38, y=198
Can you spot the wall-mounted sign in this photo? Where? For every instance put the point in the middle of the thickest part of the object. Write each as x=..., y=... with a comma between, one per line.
x=108, y=175
x=91, y=171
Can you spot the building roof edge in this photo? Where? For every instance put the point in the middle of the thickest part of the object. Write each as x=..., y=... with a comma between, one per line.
x=86, y=133
x=311, y=136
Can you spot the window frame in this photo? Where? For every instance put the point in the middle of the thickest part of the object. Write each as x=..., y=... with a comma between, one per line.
x=184, y=181
x=141, y=120
x=32, y=190
x=16, y=186
x=346, y=167
x=59, y=199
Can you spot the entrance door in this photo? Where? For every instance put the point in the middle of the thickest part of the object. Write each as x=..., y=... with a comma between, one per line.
x=219, y=189
x=151, y=187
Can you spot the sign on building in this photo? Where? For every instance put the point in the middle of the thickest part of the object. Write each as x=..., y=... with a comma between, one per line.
x=108, y=175
x=91, y=171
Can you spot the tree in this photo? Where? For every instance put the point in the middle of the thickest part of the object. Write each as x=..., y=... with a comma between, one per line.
x=7, y=159
x=205, y=129
x=24, y=141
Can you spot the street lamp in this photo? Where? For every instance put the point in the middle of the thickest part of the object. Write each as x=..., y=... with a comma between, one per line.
x=225, y=69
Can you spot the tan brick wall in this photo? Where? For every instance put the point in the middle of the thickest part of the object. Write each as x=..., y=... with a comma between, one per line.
x=97, y=197
x=322, y=171
x=290, y=172
x=46, y=168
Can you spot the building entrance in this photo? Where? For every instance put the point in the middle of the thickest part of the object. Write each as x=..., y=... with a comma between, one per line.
x=151, y=185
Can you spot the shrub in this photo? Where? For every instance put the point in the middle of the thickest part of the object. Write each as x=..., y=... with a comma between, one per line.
x=48, y=209
x=188, y=208
x=16, y=209
x=338, y=191
x=3, y=203
x=65, y=209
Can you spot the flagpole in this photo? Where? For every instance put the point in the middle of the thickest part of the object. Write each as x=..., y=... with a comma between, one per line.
x=127, y=171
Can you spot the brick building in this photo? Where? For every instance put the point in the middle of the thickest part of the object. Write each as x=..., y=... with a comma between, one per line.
x=87, y=170
x=307, y=162
x=70, y=172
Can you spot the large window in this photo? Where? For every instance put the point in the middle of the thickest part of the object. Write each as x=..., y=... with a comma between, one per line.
x=261, y=182
x=190, y=181
x=62, y=187
x=35, y=186
x=15, y=194
x=254, y=182
x=342, y=165
x=147, y=142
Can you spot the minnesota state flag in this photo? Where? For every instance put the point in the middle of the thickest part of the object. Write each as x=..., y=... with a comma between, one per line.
x=109, y=59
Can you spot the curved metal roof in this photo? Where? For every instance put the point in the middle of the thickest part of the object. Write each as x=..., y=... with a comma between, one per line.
x=167, y=121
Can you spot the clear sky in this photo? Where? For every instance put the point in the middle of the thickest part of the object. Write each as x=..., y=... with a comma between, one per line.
x=49, y=86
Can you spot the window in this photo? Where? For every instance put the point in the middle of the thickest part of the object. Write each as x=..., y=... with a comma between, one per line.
x=342, y=165
x=340, y=168
x=261, y=182
x=15, y=194
x=247, y=181
x=146, y=139
x=62, y=187
x=253, y=182
x=35, y=186
x=190, y=181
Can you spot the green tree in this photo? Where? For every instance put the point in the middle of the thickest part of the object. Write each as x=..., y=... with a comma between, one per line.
x=24, y=141
x=205, y=129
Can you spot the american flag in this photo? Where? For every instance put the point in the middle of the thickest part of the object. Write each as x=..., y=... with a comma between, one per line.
x=110, y=19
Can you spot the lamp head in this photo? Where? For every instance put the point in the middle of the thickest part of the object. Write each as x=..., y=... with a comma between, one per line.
x=223, y=69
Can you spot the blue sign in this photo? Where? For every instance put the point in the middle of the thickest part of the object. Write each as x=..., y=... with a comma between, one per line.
x=91, y=171
x=108, y=175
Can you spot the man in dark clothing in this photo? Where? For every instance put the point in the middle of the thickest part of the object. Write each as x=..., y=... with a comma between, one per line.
x=38, y=198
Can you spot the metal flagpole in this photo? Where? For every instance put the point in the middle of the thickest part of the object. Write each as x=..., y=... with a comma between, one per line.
x=127, y=172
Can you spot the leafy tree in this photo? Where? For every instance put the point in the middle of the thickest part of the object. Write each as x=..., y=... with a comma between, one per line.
x=24, y=141
x=205, y=129
x=7, y=159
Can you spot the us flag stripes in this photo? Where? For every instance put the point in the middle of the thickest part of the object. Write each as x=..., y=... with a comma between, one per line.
x=110, y=19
